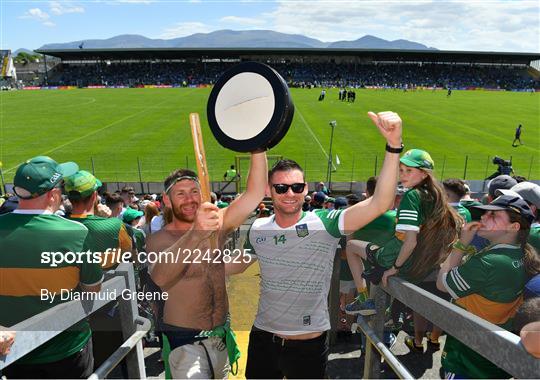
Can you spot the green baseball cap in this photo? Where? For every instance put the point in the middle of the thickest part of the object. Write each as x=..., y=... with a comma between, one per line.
x=131, y=214
x=40, y=174
x=81, y=185
x=417, y=158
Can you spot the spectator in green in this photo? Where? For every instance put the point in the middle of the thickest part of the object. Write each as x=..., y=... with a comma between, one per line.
x=104, y=235
x=24, y=234
x=132, y=217
x=225, y=201
x=488, y=283
x=530, y=193
x=220, y=202
x=455, y=191
x=425, y=229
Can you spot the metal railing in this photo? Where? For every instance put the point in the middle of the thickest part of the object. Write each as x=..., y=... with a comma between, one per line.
x=499, y=346
x=42, y=327
x=353, y=167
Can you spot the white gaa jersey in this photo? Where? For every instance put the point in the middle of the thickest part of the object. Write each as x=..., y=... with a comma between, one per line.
x=296, y=270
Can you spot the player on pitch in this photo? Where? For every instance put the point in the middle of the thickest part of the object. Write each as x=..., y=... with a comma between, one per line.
x=195, y=315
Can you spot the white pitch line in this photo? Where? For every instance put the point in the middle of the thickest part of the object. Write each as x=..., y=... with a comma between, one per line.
x=311, y=132
x=92, y=133
x=313, y=135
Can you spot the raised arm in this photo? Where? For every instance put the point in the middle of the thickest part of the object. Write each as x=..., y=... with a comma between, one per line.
x=357, y=216
x=243, y=206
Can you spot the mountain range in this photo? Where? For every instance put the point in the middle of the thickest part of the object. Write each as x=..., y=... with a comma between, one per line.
x=237, y=39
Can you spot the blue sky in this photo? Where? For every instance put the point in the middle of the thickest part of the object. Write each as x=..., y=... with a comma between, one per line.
x=485, y=25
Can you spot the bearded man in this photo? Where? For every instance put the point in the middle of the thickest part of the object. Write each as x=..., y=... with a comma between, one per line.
x=194, y=317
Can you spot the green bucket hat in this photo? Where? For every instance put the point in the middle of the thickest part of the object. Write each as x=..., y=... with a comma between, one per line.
x=40, y=174
x=131, y=214
x=417, y=158
x=81, y=185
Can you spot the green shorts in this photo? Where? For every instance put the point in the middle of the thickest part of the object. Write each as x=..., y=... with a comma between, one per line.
x=386, y=255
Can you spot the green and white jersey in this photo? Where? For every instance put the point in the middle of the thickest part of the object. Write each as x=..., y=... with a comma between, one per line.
x=462, y=211
x=26, y=274
x=488, y=284
x=412, y=212
x=296, y=270
x=496, y=274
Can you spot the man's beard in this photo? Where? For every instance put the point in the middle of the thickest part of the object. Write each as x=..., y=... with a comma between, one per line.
x=180, y=216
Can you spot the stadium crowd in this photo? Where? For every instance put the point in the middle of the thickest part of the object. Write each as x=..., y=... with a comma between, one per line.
x=479, y=241
x=298, y=75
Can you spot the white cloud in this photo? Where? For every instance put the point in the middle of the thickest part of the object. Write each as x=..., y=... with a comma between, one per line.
x=183, y=29
x=38, y=15
x=242, y=21
x=59, y=8
x=495, y=25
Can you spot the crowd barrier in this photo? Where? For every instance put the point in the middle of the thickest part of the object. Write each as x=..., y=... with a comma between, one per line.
x=501, y=347
x=42, y=327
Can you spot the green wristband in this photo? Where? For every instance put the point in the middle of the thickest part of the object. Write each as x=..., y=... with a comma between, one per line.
x=468, y=249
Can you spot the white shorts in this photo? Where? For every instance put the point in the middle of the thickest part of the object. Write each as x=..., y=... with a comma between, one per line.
x=190, y=361
x=346, y=286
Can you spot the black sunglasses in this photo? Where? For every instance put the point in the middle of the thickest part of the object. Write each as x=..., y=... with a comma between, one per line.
x=282, y=188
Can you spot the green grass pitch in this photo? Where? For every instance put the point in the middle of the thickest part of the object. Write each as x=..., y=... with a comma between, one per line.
x=118, y=129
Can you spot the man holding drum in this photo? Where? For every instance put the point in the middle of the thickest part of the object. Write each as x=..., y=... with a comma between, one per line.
x=295, y=250
x=195, y=281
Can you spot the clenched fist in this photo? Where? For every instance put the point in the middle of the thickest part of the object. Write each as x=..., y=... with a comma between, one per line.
x=208, y=219
x=389, y=124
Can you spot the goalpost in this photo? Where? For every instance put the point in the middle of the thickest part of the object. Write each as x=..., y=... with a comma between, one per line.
x=242, y=168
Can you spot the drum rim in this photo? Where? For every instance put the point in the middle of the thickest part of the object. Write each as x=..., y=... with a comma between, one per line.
x=268, y=136
x=287, y=117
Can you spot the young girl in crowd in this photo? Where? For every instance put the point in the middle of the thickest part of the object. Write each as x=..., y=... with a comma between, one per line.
x=425, y=230
x=489, y=283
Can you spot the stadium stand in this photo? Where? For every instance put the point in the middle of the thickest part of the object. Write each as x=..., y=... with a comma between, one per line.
x=298, y=75
x=320, y=68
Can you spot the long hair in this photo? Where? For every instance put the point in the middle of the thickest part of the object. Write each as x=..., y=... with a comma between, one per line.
x=439, y=231
x=531, y=259
x=150, y=211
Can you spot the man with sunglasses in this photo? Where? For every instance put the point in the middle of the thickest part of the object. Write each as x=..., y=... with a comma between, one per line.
x=197, y=304
x=24, y=234
x=296, y=250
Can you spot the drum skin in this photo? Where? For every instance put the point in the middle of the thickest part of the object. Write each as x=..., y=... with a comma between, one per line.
x=280, y=120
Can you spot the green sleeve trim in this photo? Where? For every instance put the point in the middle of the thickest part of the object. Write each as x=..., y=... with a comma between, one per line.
x=247, y=243
x=409, y=212
x=468, y=277
x=331, y=221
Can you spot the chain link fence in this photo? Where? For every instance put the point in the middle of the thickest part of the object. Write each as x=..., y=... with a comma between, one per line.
x=352, y=167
